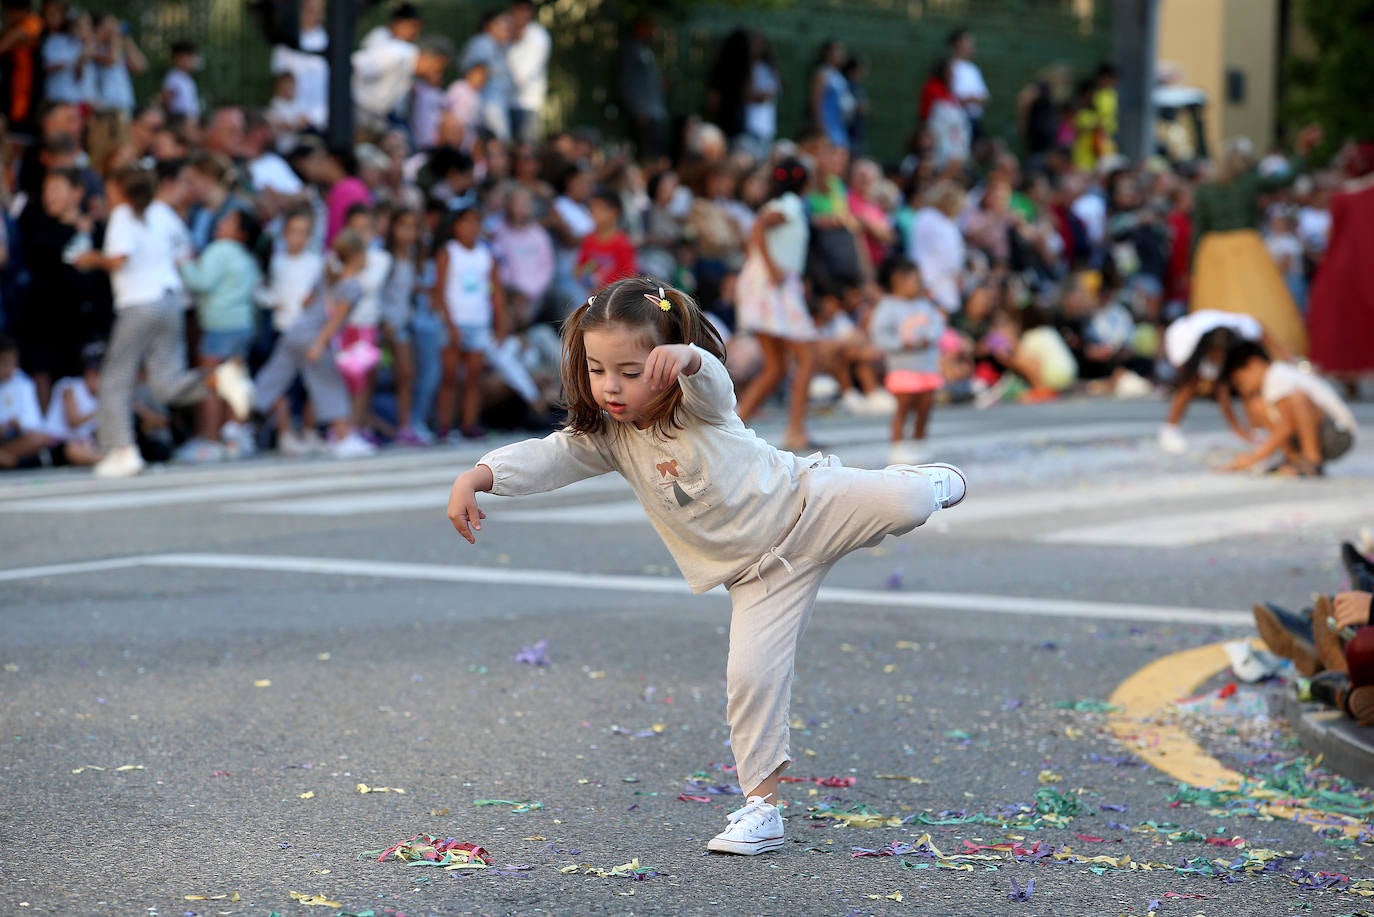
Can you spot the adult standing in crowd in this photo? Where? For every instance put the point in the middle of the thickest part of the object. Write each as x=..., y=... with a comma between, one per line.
x=829, y=104
x=641, y=90
x=937, y=246
x=761, y=96
x=21, y=70
x=528, y=59
x=966, y=80
x=1341, y=310
x=1232, y=270
x=488, y=48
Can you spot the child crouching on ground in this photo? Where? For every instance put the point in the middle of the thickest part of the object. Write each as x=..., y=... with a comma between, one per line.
x=649, y=397
x=1307, y=421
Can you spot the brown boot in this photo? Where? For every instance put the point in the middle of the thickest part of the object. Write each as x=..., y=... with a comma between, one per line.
x=1286, y=641
x=1359, y=703
x=1330, y=649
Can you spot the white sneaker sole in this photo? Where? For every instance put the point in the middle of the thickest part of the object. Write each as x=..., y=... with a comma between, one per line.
x=744, y=848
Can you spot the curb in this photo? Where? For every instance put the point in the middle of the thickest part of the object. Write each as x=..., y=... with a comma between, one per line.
x=1345, y=747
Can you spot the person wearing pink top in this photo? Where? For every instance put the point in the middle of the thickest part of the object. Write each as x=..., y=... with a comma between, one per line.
x=524, y=251
x=340, y=173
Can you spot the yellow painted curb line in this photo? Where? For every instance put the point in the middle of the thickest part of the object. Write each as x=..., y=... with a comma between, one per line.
x=1145, y=699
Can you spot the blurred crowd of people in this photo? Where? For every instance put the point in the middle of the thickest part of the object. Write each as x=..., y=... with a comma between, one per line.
x=408, y=289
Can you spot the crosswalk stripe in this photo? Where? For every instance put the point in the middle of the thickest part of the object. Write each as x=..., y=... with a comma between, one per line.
x=1207, y=525
x=559, y=579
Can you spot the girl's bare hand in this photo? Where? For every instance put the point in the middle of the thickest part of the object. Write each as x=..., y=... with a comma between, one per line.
x=462, y=510
x=666, y=362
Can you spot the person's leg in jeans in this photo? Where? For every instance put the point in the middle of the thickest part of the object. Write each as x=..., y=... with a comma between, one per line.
x=427, y=345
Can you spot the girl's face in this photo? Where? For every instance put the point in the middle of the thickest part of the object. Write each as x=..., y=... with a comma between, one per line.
x=906, y=284
x=296, y=234
x=466, y=228
x=615, y=368
x=405, y=230
x=228, y=226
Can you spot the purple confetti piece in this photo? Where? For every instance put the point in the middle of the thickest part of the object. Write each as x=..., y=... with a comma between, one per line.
x=893, y=581
x=534, y=655
x=1012, y=703
x=1153, y=904
x=1021, y=894
x=1112, y=807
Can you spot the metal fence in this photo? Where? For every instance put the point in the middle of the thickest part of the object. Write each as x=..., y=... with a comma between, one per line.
x=900, y=40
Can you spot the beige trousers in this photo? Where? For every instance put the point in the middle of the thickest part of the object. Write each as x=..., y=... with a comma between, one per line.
x=843, y=509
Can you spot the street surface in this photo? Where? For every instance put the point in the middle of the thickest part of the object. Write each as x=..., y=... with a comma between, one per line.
x=201, y=666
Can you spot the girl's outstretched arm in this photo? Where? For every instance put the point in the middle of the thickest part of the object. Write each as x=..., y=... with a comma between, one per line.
x=462, y=501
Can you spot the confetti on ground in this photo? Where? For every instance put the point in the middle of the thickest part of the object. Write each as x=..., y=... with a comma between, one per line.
x=632, y=870
x=907, y=778
x=424, y=850
x=263, y=683
x=832, y=782
x=534, y=655
x=895, y=896
x=1021, y=894
x=365, y=789
x=308, y=794
x=233, y=897
x=517, y=806
x=1087, y=706
x=123, y=768
x=319, y=900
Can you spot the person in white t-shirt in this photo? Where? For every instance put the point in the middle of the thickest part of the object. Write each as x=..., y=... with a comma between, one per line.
x=22, y=435
x=1307, y=421
x=65, y=57
x=71, y=419
x=527, y=56
x=966, y=80
x=179, y=93
x=144, y=240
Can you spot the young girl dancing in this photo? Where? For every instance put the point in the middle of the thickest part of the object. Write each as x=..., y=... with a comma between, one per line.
x=649, y=397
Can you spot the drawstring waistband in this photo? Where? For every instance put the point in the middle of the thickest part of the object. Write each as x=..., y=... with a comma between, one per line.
x=778, y=554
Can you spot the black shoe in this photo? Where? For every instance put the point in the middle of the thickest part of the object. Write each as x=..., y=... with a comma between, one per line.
x=1329, y=688
x=1289, y=636
x=1358, y=567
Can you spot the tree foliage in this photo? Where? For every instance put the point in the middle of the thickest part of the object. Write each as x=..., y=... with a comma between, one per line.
x=1335, y=85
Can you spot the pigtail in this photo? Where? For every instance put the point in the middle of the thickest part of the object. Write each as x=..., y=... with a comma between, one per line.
x=584, y=414
x=692, y=325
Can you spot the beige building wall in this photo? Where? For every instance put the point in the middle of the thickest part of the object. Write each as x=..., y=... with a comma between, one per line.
x=1202, y=39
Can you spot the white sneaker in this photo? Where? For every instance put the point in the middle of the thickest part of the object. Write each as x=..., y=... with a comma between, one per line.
x=121, y=462
x=1132, y=385
x=352, y=446
x=905, y=452
x=1172, y=440
x=880, y=403
x=233, y=385
x=753, y=829
x=292, y=445
x=854, y=402
x=949, y=482
x=823, y=388
x=200, y=452
x=314, y=443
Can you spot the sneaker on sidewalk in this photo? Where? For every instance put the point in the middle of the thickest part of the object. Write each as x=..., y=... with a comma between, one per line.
x=1172, y=440
x=905, y=452
x=292, y=445
x=880, y=403
x=854, y=402
x=949, y=482
x=200, y=452
x=121, y=462
x=233, y=385
x=351, y=446
x=755, y=828
x=1288, y=636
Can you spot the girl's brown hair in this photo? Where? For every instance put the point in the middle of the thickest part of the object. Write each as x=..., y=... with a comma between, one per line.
x=138, y=187
x=634, y=303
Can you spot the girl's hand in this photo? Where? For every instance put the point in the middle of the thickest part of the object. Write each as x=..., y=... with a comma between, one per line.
x=668, y=361
x=1352, y=609
x=463, y=511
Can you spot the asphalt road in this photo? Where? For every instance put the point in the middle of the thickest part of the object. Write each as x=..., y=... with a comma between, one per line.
x=201, y=666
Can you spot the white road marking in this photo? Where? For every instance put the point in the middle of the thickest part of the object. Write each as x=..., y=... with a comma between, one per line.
x=559, y=579
x=1206, y=525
